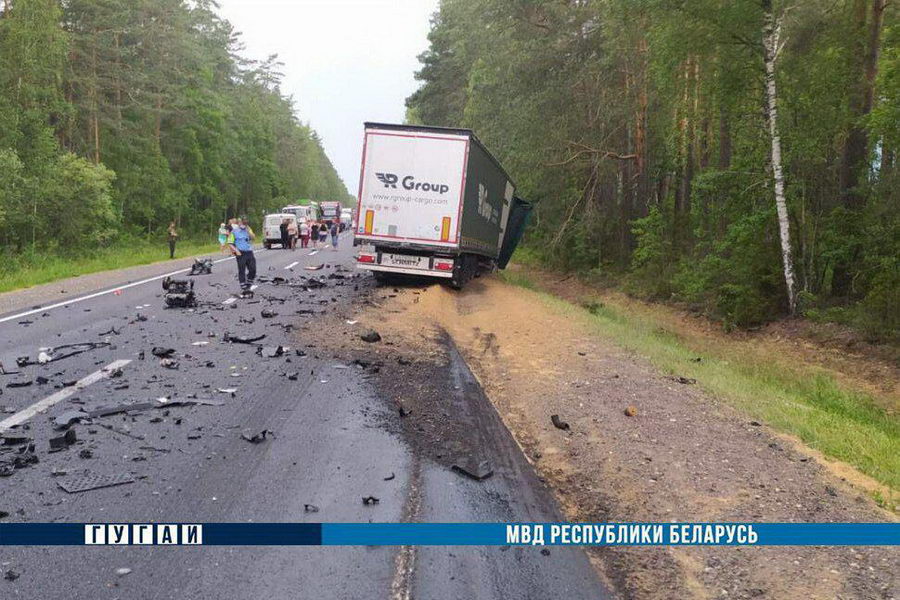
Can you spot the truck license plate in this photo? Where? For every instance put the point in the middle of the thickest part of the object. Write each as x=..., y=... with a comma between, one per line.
x=404, y=260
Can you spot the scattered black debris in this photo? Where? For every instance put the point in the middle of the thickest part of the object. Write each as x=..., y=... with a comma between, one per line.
x=93, y=481
x=41, y=380
x=105, y=411
x=179, y=293
x=63, y=441
x=369, y=500
x=58, y=353
x=310, y=508
x=685, y=380
x=168, y=363
x=14, y=440
x=697, y=359
x=559, y=423
x=545, y=551
x=404, y=412
x=162, y=352
x=270, y=351
x=67, y=418
x=3, y=370
x=24, y=457
x=122, y=431
x=239, y=339
x=390, y=477
x=154, y=449
x=86, y=453
x=756, y=423
x=476, y=469
x=256, y=438
x=201, y=266
x=371, y=336
x=293, y=376
x=268, y=313
x=10, y=575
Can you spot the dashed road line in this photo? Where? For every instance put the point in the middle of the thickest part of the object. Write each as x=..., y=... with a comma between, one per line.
x=42, y=405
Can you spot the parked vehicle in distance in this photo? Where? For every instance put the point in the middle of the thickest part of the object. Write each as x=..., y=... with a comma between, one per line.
x=346, y=218
x=433, y=201
x=330, y=211
x=272, y=228
x=301, y=211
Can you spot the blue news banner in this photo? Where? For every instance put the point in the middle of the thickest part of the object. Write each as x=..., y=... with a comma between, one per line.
x=450, y=534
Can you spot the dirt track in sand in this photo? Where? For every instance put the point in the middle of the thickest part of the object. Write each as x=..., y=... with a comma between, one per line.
x=683, y=456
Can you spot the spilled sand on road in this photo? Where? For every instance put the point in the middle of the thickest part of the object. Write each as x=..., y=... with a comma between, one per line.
x=683, y=456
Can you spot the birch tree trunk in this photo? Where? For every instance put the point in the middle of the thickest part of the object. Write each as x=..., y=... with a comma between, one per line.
x=771, y=31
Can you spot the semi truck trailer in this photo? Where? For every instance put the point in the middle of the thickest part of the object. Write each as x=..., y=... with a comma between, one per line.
x=434, y=202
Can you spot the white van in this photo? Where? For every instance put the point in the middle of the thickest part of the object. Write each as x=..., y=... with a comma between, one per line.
x=272, y=228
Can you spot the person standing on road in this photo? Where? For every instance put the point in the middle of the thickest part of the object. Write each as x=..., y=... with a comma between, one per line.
x=292, y=233
x=172, y=236
x=323, y=234
x=283, y=228
x=335, y=230
x=241, y=242
x=223, y=235
x=304, y=234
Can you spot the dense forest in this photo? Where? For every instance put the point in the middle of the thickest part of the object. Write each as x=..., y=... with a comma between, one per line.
x=739, y=156
x=117, y=116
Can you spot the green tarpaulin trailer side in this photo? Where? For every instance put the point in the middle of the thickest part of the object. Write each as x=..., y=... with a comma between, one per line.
x=515, y=228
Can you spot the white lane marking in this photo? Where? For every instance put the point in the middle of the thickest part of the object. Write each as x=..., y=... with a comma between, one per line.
x=42, y=405
x=292, y=265
x=98, y=294
x=230, y=300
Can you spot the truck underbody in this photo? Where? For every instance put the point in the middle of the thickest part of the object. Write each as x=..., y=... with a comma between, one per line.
x=458, y=268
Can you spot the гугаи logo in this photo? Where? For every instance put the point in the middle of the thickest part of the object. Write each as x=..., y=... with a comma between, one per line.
x=388, y=179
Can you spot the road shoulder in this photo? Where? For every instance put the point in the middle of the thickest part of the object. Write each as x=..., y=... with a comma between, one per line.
x=642, y=446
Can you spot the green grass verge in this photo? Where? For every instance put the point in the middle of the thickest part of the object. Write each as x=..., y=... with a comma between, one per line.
x=36, y=269
x=843, y=424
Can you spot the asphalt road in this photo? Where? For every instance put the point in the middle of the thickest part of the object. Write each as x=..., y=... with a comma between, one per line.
x=190, y=464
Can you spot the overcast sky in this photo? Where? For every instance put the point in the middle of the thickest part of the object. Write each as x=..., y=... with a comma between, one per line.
x=345, y=62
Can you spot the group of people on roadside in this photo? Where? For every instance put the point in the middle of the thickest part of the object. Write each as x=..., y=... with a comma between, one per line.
x=306, y=231
x=236, y=238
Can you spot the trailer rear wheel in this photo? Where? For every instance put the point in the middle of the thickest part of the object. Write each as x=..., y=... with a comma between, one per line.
x=466, y=269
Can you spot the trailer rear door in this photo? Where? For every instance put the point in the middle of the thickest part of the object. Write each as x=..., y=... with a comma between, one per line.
x=411, y=186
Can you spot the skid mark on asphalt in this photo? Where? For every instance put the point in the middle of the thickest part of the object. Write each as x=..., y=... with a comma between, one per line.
x=42, y=405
